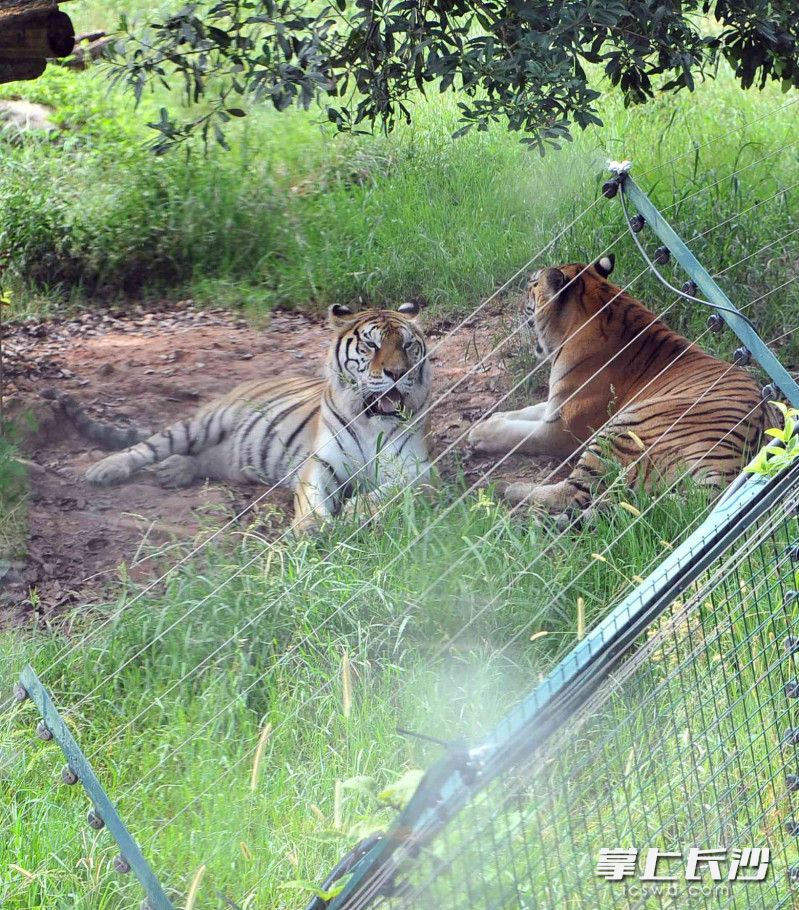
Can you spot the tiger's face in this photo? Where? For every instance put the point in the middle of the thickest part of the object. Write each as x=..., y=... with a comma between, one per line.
x=553, y=294
x=379, y=360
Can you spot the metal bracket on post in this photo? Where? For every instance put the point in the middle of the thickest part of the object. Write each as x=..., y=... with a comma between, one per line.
x=753, y=343
x=103, y=814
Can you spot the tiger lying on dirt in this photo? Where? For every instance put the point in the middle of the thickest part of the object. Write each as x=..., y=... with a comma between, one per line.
x=659, y=402
x=325, y=438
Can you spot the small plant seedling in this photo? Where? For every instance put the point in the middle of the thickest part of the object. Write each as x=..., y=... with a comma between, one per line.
x=775, y=456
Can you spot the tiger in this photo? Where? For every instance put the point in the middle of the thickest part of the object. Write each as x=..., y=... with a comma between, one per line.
x=622, y=383
x=358, y=428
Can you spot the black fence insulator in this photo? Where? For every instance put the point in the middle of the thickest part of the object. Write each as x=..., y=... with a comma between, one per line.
x=792, y=827
x=792, y=551
x=792, y=689
x=790, y=597
x=20, y=693
x=121, y=864
x=690, y=288
x=792, y=782
x=94, y=820
x=792, y=644
x=43, y=731
x=715, y=323
x=662, y=255
x=637, y=224
x=792, y=508
x=791, y=736
x=69, y=777
x=611, y=188
x=742, y=356
x=793, y=874
x=768, y=392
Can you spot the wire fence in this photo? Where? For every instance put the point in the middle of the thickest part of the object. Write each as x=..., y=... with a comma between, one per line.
x=660, y=773
x=529, y=822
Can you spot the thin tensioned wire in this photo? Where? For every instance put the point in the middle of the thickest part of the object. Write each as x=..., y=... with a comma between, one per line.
x=607, y=549
x=425, y=411
x=385, y=505
x=251, y=621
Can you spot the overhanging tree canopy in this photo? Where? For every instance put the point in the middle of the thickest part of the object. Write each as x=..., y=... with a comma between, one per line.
x=522, y=62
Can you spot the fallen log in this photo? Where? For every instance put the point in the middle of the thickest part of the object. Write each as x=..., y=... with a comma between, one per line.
x=30, y=32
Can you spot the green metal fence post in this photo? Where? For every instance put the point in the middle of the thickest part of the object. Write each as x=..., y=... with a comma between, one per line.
x=105, y=814
x=727, y=310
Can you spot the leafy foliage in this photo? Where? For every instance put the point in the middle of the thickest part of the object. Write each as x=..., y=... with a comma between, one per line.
x=775, y=456
x=523, y=61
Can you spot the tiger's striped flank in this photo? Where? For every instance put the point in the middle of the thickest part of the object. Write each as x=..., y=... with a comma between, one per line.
x=657, y=403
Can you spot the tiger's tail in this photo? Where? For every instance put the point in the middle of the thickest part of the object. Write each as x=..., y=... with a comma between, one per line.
x=106, y=435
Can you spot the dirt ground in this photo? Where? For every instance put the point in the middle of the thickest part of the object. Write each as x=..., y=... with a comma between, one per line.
x=155, y=366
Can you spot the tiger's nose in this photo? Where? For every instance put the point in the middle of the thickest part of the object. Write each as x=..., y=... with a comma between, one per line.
x=394, y=374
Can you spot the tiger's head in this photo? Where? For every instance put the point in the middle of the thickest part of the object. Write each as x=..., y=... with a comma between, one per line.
x=378, y=361
x=555, y=296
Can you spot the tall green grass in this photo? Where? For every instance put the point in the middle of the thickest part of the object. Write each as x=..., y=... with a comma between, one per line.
x=12, y=497
x=298, y=216
x=439, y=641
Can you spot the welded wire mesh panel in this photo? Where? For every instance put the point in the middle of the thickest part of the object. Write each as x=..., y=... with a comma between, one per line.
x=665, y=789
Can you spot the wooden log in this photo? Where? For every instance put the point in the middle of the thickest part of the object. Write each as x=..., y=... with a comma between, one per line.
x=85, y=54
x=35, y=35
x=20, y=70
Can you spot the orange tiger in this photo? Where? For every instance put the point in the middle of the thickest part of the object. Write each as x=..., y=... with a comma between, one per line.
x=659, y=403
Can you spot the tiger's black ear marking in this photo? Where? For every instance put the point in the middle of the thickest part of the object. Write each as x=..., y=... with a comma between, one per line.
x=554, y=279
x=604, y=265
x=411, y=309
x=339, y=314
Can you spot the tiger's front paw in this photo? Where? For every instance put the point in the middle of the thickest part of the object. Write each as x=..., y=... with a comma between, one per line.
x=112, y=470
x=517, y=493
x=485, y=438
x=176, y=472
x=555, y=498
x=305, y=525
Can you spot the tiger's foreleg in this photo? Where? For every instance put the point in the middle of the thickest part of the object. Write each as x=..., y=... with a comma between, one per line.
x=316, y=495
x=532, y=412
x=500, y=435
x=574, y=493
x=413, y=473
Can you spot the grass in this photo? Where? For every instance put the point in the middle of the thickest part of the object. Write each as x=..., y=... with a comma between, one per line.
x=12, y=496
x=297, y=216
x=437, y=651
x=439, y=637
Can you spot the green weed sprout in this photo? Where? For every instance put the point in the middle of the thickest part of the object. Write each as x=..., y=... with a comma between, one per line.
x=775, y=456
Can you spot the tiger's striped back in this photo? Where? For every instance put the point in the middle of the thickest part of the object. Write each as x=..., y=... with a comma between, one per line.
x=622, y=382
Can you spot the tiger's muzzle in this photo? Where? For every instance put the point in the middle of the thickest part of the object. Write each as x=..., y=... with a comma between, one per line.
x=390, y=403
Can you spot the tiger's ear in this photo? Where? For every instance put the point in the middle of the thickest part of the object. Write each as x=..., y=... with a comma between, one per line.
x=604, y=265
x=339, y=315
x=411, y=309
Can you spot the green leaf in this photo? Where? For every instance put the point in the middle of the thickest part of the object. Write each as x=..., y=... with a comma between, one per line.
x=333, y=891
x=398, y=793
x=362, y=784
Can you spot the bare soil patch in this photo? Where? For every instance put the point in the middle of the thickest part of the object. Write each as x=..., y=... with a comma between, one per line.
x=153, y=367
